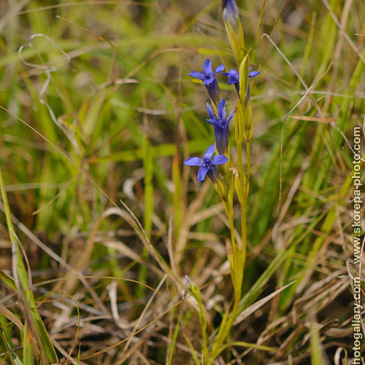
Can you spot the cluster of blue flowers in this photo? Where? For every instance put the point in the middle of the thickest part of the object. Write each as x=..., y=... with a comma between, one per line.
x=218, y=119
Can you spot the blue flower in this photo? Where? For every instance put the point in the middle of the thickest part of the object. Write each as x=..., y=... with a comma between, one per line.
x=230, y=12
x=209, y=80
x=234, y=78
x=207, y=76
x=220, y=124
x=207, y=165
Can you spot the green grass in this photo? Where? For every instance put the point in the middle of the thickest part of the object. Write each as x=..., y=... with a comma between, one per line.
x=101, y=221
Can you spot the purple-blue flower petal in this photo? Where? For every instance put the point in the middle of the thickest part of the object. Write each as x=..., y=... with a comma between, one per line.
x=221, y=107
x=233, y=76
x=212, y=121
x=219, y=160
x=219, y=69
x=210, y=111
x=194, y=161
x=223, y=115
x=207, y=67
x=209, y=152
x=202, y=173
x=209, y=84
x=253, y=73
x=197, y=74
x=230, y=116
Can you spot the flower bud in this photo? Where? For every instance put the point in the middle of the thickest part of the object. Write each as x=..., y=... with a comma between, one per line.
x=230, y=13
x=234, y=29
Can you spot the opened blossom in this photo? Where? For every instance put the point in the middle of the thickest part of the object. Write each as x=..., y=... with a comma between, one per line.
x=234, y=79
x=209, y=80
x=207, y=165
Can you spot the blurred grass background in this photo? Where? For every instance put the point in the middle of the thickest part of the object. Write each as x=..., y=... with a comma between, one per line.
x=97, y=115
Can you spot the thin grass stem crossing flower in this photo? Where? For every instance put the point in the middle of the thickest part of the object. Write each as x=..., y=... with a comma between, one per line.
x=207, y=165
x=209, y=80
x=220, y=124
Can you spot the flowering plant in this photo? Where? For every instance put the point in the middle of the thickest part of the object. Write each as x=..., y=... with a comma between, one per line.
x=234, y=179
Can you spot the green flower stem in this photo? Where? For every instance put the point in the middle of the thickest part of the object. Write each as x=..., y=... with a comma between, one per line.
x=239, y=157
x=244, y=236
x=244, y=206
x=223, y=334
